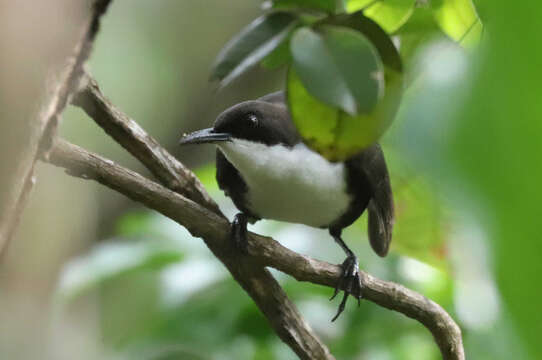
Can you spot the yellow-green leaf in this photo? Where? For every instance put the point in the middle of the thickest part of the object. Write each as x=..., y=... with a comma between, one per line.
x=459, y=20
x=331, y=131
x=338, y=66
x=389, y=14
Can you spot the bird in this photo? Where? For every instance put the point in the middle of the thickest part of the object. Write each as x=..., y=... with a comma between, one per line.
x=267, y=170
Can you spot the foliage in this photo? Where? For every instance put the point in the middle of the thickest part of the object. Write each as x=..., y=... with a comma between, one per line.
x=343, y=69
x=496, y=148
x=255, y=42
x=390, y=15
x=130, y=257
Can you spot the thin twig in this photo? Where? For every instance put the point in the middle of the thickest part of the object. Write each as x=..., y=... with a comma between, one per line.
x=263, y=251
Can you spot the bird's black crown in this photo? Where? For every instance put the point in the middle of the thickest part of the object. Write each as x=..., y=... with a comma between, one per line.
x=258, y=121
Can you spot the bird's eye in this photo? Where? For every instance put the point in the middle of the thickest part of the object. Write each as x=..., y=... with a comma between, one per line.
x=253, y=119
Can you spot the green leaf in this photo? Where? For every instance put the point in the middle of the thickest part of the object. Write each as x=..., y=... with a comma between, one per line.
x=339, y=66
x=389, y=14
x=420, y=29
x=251, y=45
x=373, y=32
x=329, y=6
x=421, y=218
x=332, y=132
x=110, y=260
x=278, y=57
x=459, y=20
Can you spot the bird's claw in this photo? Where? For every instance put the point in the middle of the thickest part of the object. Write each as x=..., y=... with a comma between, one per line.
x=350, y=282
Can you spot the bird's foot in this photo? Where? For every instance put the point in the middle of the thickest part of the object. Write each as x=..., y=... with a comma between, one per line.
x=349, y=282
x=238, y=233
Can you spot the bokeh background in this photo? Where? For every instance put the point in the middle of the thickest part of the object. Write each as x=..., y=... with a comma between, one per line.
x=91, y=275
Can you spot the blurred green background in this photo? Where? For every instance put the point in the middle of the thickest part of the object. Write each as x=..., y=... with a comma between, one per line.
x=92, y=275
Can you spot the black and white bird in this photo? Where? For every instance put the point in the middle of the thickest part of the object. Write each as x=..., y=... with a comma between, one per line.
x=269, y=173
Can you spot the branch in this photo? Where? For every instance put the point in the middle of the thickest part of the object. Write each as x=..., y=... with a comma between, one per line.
x=263, y=251
x=61, y=84
x=445, y=331
x=172, y=173
x=255, y=279
x=213, y=229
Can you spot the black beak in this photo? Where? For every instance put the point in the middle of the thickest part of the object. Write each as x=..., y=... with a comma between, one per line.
x=204, y=136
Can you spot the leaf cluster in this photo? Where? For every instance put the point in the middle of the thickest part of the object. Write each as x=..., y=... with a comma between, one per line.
x=345, y=74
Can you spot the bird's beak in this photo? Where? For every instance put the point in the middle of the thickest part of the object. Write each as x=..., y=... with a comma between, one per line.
x=204, y=136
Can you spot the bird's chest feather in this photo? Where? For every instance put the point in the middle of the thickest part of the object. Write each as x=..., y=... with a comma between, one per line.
x=290, y=184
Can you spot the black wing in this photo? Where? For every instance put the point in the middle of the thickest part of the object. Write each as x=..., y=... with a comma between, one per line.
x=230, y=181
x=381, y=209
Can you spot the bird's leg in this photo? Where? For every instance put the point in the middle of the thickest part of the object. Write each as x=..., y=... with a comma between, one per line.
x=238, y=232
x=350, y=280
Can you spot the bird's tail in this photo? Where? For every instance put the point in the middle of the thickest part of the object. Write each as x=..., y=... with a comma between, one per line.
x=381, y=220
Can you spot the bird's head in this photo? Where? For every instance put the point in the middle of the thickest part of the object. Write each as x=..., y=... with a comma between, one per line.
x=255, y=121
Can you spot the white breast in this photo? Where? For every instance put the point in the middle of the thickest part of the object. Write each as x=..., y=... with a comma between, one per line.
x=289, y=184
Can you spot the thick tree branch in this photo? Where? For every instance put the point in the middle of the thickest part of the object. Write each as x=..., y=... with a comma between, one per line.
x=263, y=251
x=213, y=229
x=60, y=85
x=172, y=173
